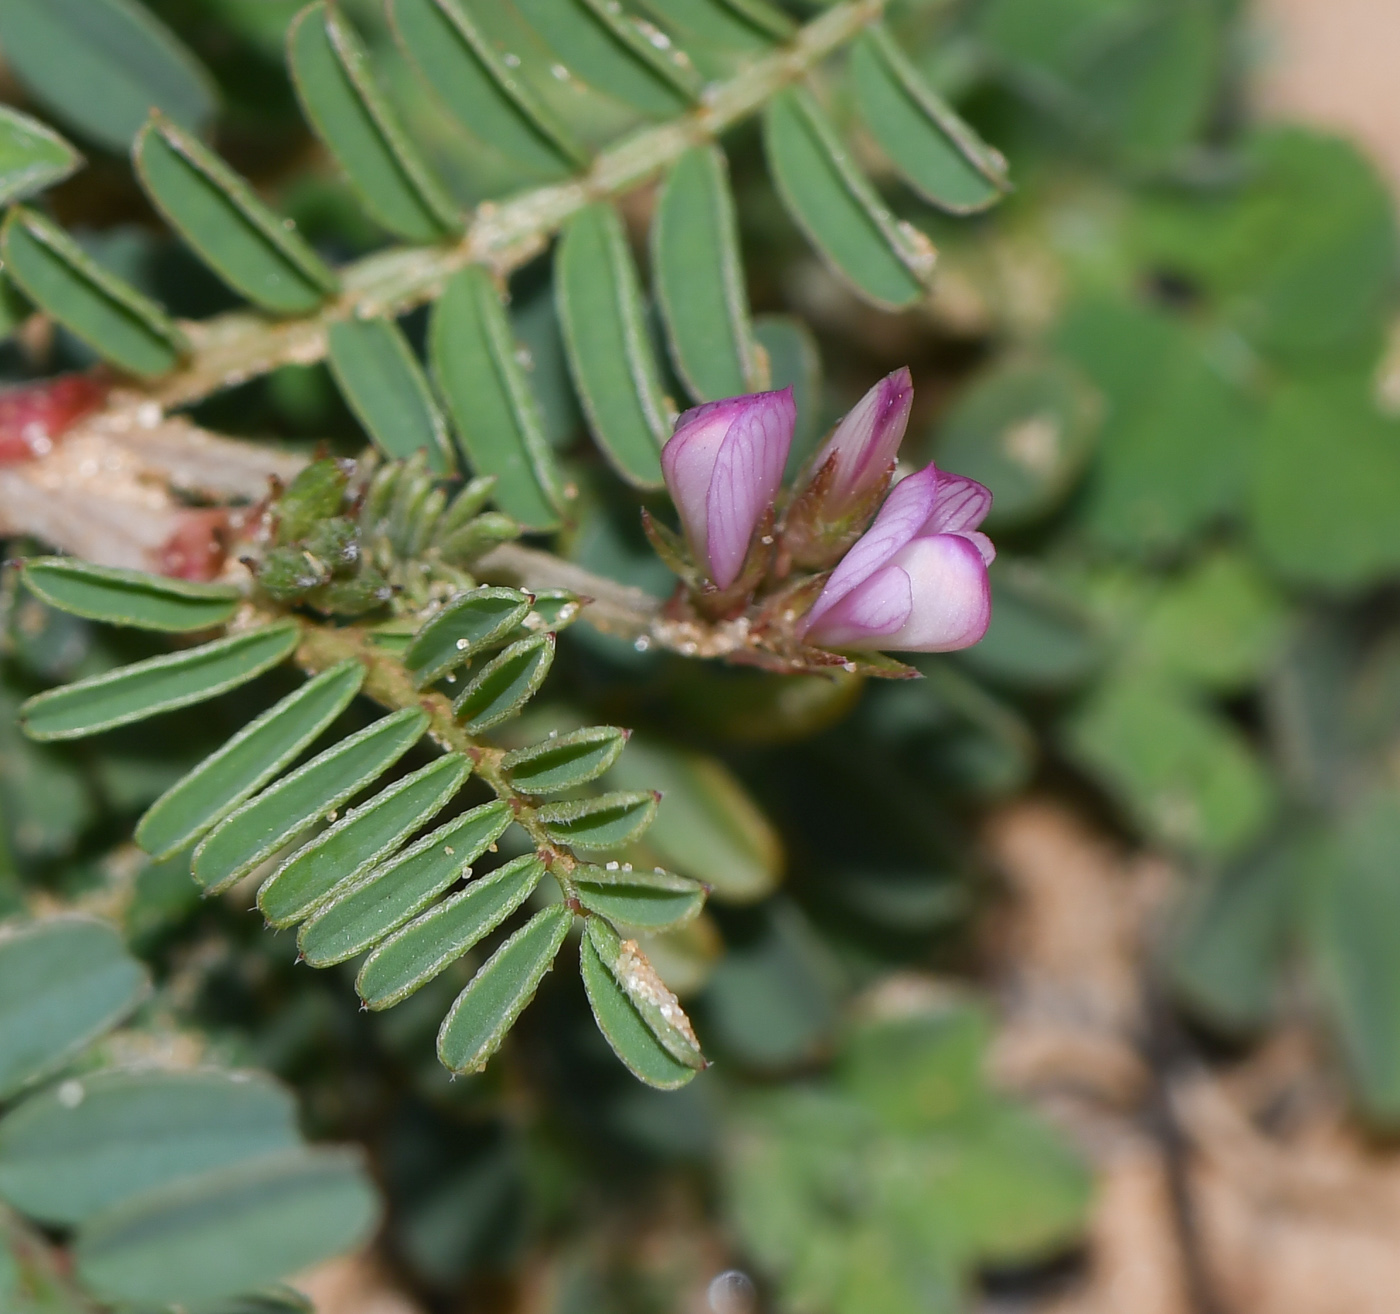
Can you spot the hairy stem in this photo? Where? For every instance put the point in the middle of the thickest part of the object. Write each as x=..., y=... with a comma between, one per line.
x=504, y=235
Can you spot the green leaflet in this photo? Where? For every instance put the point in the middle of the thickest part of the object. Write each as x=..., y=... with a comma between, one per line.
x=62, y=1161
x=359, y=839
x=654, y=900
x=266, y=822
x=474, y=362
x=413, y=956
x=247, y=762
x=63, y=982
x=606, y=49
x=159, y=684
x=554, y=609
x=381, y=379
x=505, y=684
x=1026, y=429
x=729, y=24
x=654, y=1003
x=794, y=361
x=254, y=251
x=113, y=318
x=936, y=153
x=1349, y=910
x=476, y=84
x=338, y=93
x=610, y=354
x=631, y=1039
x=230, y=1230
x=358, y=917
x=710, y=828
x=100, y=65
x=469, y=623
x=32, y=156
x=128, y=597
x=1187, y=775
x=700, y=279
x=606, y=822
x=837, y=208
x=565, y=761
x=478, y=1021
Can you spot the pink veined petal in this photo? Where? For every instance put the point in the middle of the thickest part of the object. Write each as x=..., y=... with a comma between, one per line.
x=905, y=511
x=875, y=608
x=688, y=465
x=962, y=505
x=866, y=440
x=745, y=480
x=952, y=600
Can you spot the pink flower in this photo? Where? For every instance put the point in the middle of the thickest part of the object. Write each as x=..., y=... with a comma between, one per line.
x=844, y=483
x=916, y=581
x=865, y=443
x=723, y=466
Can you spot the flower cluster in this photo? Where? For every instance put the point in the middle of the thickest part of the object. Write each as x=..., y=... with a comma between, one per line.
x=909, y=575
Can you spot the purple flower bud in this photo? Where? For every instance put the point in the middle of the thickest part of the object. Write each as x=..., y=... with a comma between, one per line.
x=917, y=580
x=866, y=441
x=845, y=481
x=723, y=466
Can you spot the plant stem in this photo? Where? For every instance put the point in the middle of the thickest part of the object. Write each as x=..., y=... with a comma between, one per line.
x=230, y=349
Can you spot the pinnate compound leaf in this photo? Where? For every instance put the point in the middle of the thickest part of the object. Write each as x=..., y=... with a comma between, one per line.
x=359, y=839
x=381, y=379
x=261, y=826
x=330, y=70
x=700, y=279
x=655, y=1005
x=123, y=327
x=481, y=1015
x=230, y=1230
x=936, y=153
x=835, y=205
x=128, y=597
x=600, y=43
x=505, y=684
x=468, y=624
x=610, y=354
x=360, y=915
x=32, y=156
x=413, y=956
x=649, y=900
x=254, y=251
x=606, y=822
x=564, y=761
x=474, y=362
x=258, y=752
x=459, y=62
x=100, y=65
x=64, y=1159
x=63, y=983
x=159, y=684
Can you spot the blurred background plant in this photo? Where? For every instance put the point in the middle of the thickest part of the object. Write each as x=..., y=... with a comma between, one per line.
x=1063, y=978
